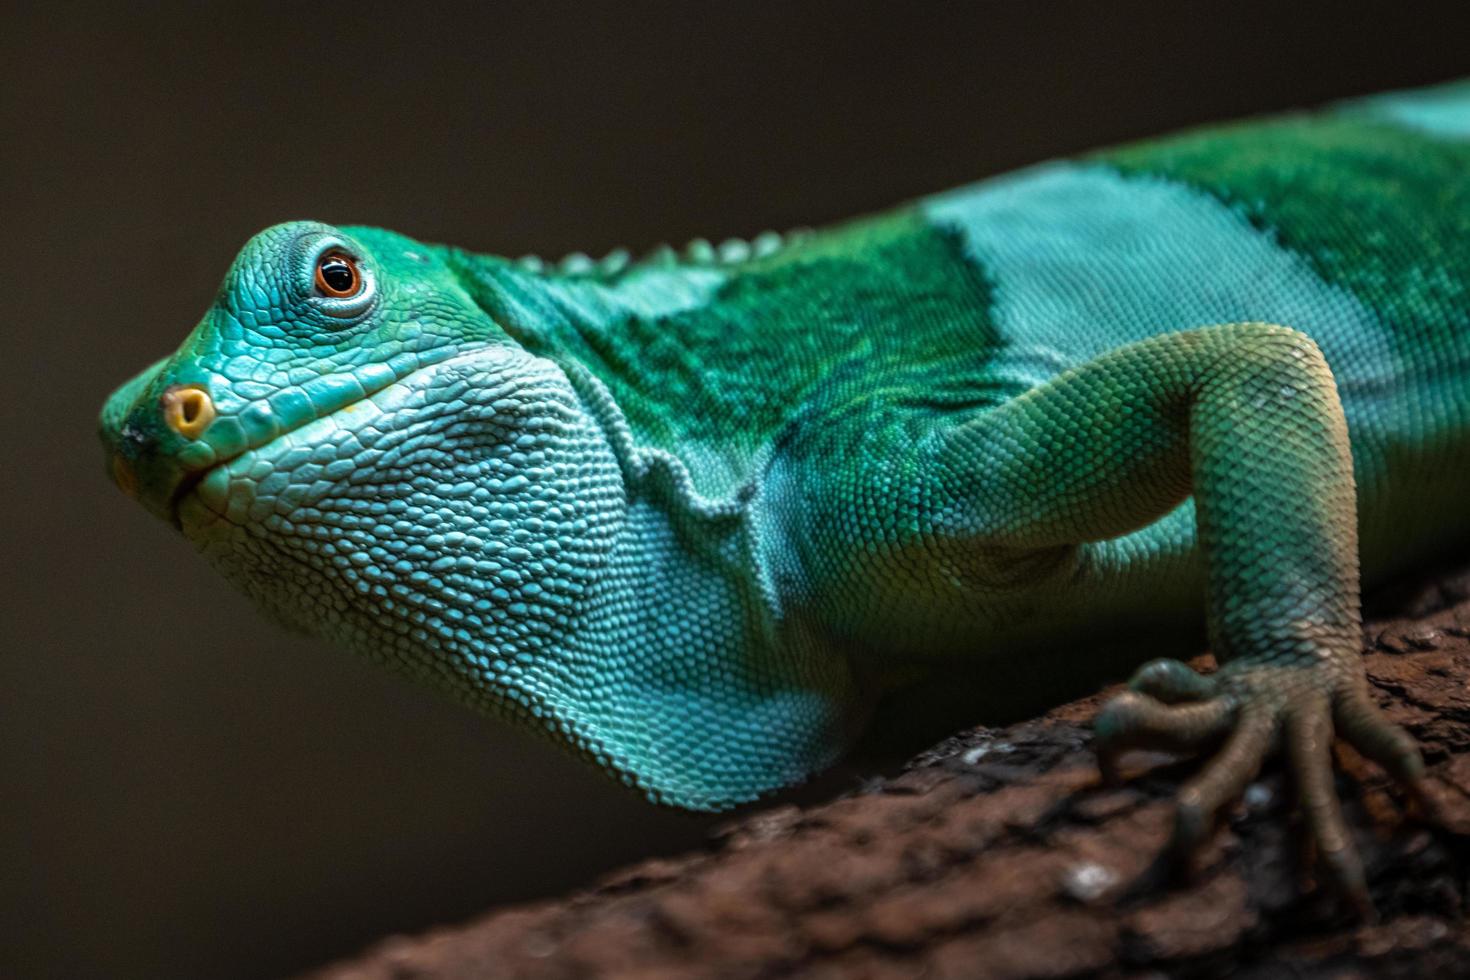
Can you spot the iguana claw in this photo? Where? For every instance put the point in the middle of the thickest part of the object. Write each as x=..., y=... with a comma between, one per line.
x=1248, y=710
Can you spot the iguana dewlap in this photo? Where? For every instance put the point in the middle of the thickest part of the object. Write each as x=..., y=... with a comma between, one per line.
x=680, y=513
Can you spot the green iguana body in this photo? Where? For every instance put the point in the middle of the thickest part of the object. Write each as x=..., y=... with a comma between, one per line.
x=686, y=514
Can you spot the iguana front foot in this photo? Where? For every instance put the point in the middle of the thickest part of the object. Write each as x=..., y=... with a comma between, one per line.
x=1248, y=709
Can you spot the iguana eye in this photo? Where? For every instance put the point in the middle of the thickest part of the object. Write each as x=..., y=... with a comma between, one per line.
x=337, y=275
x=333, y=276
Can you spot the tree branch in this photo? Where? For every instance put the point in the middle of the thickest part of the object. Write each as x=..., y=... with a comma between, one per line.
x=999, y=853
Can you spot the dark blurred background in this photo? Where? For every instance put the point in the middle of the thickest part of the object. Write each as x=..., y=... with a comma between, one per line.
x=184, y=789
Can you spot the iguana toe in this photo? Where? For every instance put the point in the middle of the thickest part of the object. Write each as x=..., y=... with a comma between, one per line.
x=1172, y=682
x=1308, y=738
x=1134, y=720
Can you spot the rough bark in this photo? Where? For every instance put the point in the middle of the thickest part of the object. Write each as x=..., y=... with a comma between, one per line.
x=999, y=853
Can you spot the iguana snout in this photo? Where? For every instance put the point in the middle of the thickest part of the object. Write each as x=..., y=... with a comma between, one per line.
x=147, y=426
x=310, y=320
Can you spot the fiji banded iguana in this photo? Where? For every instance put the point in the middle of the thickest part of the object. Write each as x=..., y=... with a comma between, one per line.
x=688, y=514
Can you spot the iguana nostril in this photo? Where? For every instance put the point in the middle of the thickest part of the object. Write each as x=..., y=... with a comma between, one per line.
x=188, y=411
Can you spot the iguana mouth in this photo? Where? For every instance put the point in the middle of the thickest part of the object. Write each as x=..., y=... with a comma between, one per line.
x=191, y=480
x=329, y=407
x=185, y=487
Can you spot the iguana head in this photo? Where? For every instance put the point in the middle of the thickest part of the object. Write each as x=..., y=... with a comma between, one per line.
x=360, y=448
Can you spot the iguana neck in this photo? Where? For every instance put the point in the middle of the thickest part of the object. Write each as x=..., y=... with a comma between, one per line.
x=610, y=328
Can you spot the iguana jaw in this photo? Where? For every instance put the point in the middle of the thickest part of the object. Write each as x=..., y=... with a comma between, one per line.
x=333, y=398
x=161, y=464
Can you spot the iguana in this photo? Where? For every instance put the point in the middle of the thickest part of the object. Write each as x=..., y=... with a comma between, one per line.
x=691, y=514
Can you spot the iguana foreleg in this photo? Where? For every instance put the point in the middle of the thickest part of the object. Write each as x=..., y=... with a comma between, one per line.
x=1247, y=418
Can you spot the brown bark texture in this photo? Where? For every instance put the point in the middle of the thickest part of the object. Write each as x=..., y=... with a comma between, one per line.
x=1000, y=853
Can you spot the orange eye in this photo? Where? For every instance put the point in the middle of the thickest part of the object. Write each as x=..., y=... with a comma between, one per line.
x=337, y=275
